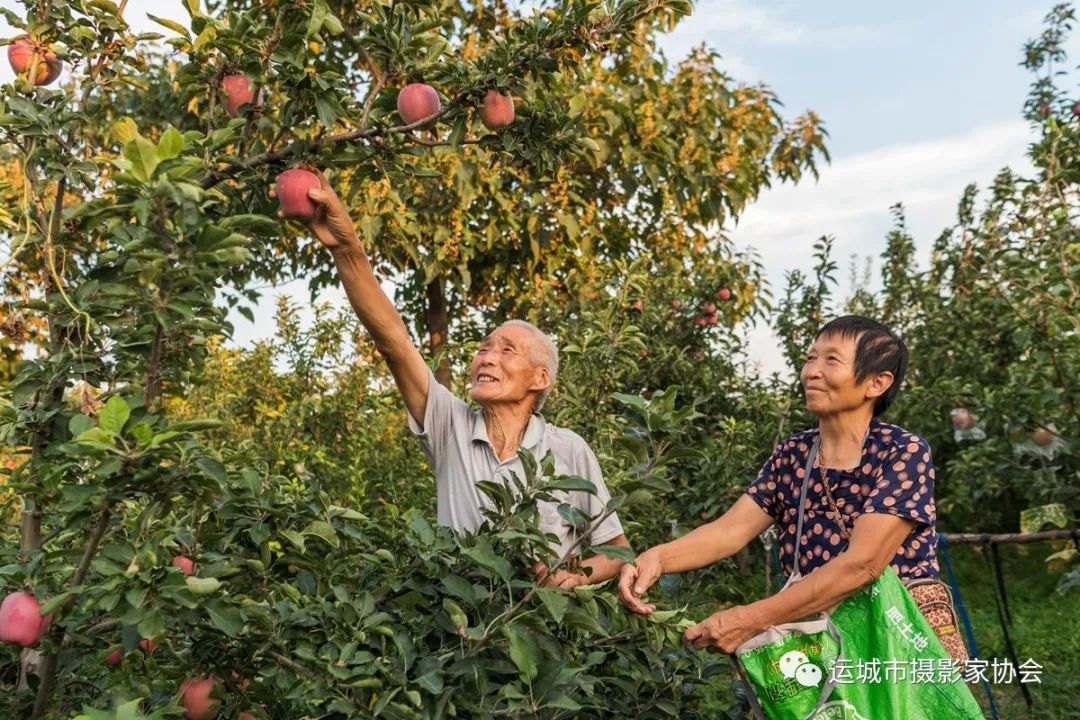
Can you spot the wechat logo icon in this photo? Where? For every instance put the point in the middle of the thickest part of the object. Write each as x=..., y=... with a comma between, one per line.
x=796, y=666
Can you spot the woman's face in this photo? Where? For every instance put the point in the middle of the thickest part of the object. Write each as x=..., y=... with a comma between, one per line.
x=828, y=377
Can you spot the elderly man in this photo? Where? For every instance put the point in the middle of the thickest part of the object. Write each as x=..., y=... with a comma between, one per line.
x=512, y=374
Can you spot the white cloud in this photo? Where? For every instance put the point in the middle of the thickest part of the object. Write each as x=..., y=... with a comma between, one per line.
x=852, y=200
x=719, y=23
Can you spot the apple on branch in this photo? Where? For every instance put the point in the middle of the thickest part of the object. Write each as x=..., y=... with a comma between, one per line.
x=20, y=620
x=36, y=62
x=497, y=110
x=239, y=91
x=417, y=101
x=195, y=696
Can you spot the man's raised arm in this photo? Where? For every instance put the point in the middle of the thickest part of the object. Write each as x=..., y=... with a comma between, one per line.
x=333, y=227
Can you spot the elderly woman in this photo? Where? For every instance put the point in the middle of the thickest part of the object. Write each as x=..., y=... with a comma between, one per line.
x=870, y=502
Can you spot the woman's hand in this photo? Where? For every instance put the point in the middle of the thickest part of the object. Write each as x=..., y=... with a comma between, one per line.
x=636, y=578
x=725, y=630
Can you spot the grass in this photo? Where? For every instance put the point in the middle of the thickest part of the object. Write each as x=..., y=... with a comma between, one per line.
x=1044, y=628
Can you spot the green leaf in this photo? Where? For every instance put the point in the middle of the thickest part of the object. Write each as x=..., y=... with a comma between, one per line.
x=257, y=224
x=564, y=703
x=555, y=602
x=53, y=604
x=202, y=586
x=485, y=557
x=79, y=424
x=570, y=483
x=615, y=552
x=323, y=530
x=1037, y=518
x=457, y=616
x=578, y=102
x=295, y=538
x=663, y=616
x=171, y=24
x=113, y=416
x=170, y=145
x=319, y=11
x=326, y=112
x=195, y=425
x=151, y=624
x=458, y=133
x=431, y=681
x=142, y=434
x=143, y=157
x=226, y=619
x=332, y=25
x=635, y=401
x=523, y=651
x=96, y=437
x=213, y=468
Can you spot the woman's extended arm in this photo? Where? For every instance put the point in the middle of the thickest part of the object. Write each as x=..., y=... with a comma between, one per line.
x=875, y=540
x=702, y=546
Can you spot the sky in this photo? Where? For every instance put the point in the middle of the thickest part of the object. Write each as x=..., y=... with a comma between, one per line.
x=919, y=100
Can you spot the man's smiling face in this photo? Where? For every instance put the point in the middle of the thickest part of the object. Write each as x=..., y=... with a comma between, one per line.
x=503, y=369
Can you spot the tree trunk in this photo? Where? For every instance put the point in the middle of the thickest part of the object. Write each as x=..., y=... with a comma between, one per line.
x=438, y=324
x=745, y=561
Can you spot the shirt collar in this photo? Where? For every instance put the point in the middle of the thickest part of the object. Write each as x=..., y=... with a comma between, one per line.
x=534, y=432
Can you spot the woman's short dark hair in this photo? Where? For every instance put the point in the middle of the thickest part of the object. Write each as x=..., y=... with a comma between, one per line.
x=878, y=349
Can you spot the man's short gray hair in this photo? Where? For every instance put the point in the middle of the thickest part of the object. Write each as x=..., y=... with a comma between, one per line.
x=543, y=352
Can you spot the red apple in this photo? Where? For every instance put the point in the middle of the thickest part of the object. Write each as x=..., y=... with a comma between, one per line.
x=723, y=294
x=1076, y=108
x=962, y=419
x=497, y=110
x=239, y=90
x=417, y=101
x=195, y=697
x=1042, y=436
x=292, y=193
x=186, y=564
x=1044, y=109
x=20, y=620
x=241, y=683
x=638, y=305
x=676, y=303
x=246, y=716
x=711, y=318
x=148, y=645
x=708, y=308
x=113, y=659
x=701, y=321
x=21, y=54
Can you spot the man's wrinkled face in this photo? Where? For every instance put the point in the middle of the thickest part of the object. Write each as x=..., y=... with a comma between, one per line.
x=828, y=376
x=503, y=370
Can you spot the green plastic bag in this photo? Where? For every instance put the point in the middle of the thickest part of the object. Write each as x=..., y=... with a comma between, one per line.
x=811, y=670
x=874, y=656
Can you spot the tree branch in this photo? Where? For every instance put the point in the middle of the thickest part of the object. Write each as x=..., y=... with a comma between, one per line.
x=580, y=35
x=48, y=669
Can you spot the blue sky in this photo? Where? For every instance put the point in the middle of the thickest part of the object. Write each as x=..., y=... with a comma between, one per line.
x=919, y=99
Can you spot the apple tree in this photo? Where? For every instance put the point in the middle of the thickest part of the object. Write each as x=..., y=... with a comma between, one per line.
x=143, y=179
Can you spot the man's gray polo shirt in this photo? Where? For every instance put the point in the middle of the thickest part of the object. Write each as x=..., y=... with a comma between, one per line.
x=455, y=439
